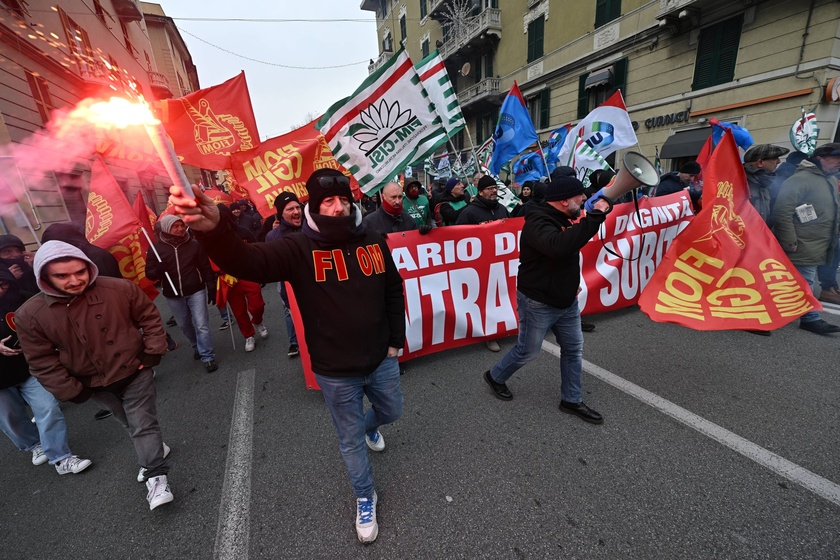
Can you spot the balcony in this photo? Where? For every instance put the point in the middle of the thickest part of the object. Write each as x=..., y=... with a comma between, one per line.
x=434, y=8
x=475, y=36
x=160, y=85
x=384, y=57
x=127, y=10
x=480, y=97
x=685, y=9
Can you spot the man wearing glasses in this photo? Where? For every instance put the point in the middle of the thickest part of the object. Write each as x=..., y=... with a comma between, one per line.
x=351, y=300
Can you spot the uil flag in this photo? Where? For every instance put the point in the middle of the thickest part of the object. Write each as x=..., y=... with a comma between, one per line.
x=555, y=141
x=514, y=130
x=726, y=270
x=436, y=83
x=210, y=124
x=529, y=168
x=606, y=129
x=388, y=123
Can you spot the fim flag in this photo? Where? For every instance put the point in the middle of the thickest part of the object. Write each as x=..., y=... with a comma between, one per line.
x=436, y=83
x=726, y=271
x=388, y=123
x=514, y=130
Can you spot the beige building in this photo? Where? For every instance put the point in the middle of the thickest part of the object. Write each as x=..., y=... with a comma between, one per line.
x=678, y=63
x=53, y=55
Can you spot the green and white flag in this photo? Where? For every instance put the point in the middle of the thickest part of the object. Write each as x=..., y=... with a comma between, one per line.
x=585, y=160
x=436, y=81
x=387, y=124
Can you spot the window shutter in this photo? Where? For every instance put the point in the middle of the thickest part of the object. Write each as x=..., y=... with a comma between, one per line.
x=704, y=67
x=620, y=77
x=600, y=13
x=488, y=65
x=540, y=27
x=422, y=8
x=730, y=36
x=583, y=98
x=531, y=42
x=545, y=107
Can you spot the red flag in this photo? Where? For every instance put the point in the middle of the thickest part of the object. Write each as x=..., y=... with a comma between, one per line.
x=726, y=270
x=218, y=196
x=145, y=215
x=704, y=156
x=284, y=163
x=210, y=124
x=112, y=224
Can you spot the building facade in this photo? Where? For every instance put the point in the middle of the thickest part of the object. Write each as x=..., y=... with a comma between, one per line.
x=678, y=63
x=52, y=56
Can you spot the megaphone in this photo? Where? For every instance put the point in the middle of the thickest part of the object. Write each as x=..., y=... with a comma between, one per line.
x=637, y=170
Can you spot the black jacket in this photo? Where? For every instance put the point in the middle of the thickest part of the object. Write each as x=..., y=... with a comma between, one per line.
x=348, y=289
x=384, y=223
x=549, y=254
x=670, y=183
x=104, y=261
x=13, y=369
x=481, y=211
x=448, y=208
x=185, y=261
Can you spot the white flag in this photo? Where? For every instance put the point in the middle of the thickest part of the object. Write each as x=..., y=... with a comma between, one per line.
x=606, y=129
x=436, y=82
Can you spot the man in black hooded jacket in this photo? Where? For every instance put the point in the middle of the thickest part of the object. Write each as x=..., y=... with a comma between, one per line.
x=485, y=206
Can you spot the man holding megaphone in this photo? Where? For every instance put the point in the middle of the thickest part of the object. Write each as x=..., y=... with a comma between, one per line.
x=547, y=288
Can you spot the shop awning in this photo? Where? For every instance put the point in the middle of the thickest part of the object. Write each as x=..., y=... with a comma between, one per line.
x=598, y=78
x=685, y=144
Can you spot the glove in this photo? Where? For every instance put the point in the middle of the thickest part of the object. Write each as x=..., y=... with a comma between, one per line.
x=83, y=396
x=424, y=229
x=589, y=205
x=211, y=296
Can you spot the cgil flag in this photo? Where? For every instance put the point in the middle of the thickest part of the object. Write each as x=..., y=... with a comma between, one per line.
x=436, y=82
x=388, y=123
x=606, y=129
x=514, y=130
x=208, y=125
x=726, y=271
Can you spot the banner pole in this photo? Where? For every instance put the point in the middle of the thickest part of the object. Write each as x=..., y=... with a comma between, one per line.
x=165, y=273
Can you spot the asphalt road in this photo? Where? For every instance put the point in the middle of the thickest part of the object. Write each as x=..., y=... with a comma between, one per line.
x=465, y=475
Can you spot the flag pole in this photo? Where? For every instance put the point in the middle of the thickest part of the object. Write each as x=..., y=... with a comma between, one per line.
x=472, y=146
x=542, y=154
x=460, y=167
x=165, y=273
x=230, y=324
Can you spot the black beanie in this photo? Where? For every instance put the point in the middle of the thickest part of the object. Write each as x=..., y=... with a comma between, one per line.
x=317, y=193
x=562, y=188
x=486, y=181
x=690, y=168
x=282, y=200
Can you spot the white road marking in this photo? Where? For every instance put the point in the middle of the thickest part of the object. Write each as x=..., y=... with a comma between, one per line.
x=233, y=532
x=781, y=466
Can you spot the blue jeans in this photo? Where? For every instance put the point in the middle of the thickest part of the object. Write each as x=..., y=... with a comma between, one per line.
x=809, y=273
x=345, y=400
x=192, y=317
x=50, y=429
x=535, y=320
x=827, y=273
x=290, y=325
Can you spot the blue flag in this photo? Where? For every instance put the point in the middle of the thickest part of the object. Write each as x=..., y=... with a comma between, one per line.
x=514, y=131
x=529, y=168
x=555, y=141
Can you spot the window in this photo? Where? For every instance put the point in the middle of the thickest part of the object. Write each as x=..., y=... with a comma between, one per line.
x=717, y=50
x=535, y=38
x=424, y=46
x=101, y=12
x=41, y=94
x=422, y=8
x=483, y=66
x=79, y=42
x=595, y=87
x=606, y=11
x=128, y=46
x=403, y=33
x=70, y=186
x=388, y=43
x=488, y=65
x=383, y=8
x=115, y=73
x=17, y=7
x=539, y=108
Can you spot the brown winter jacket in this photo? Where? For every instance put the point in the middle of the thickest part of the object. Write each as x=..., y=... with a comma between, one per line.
x=89, y=341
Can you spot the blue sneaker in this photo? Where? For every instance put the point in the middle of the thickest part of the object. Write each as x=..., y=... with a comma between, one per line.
x=376, y=442
x=366, y=527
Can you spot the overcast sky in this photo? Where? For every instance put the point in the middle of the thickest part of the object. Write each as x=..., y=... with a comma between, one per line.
x=282, y=97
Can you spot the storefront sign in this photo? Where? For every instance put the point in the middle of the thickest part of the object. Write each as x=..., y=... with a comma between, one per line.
x=662, y=120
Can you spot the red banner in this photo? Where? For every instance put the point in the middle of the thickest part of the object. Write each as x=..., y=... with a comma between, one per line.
x=218, y=196
x=283, y=164
x=111, y=224
x=207, y=126
x=727, y=270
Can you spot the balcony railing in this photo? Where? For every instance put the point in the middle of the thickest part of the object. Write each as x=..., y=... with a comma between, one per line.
x=160, y=85
x=127, y=10
x=384, y=57
x=485, y=90
x=488, y=22
x=675, y=8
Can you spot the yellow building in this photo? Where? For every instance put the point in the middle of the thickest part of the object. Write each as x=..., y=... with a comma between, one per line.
x=678, y=63
x=53, y=55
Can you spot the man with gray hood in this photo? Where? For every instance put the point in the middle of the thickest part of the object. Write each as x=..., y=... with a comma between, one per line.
x=84, y=336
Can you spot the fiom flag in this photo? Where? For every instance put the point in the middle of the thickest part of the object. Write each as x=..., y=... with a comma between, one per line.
x=388, y=123
x=210, y=124
x=606, y=129
x=514, y=130
x=726, y=270
x=436, y=83
x=284, y=163
x=218, y=197
x=144, y=214
x=111, y=224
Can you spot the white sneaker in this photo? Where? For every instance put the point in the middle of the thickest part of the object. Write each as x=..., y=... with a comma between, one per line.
x=38, y=456
x=262, y=331
x=72, y=464
x=250, y=343
x=377, y=442
x=159, y=492
x=366, y=527
x=141, y=476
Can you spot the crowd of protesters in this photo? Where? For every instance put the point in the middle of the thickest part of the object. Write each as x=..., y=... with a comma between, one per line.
x=206, y=256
